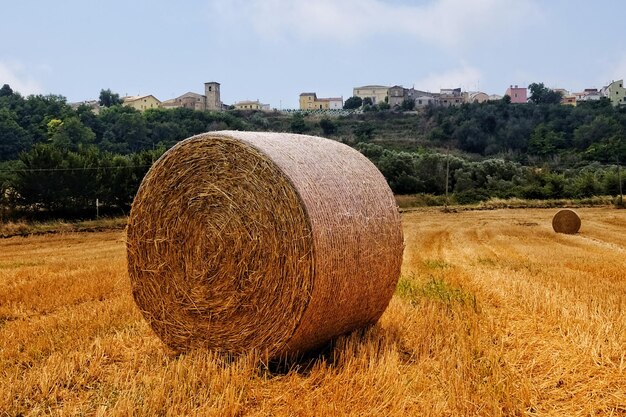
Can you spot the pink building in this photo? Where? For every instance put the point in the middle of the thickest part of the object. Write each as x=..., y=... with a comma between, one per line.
x=517, y=94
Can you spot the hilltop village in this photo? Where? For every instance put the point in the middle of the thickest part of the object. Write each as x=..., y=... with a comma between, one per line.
x=385, y=97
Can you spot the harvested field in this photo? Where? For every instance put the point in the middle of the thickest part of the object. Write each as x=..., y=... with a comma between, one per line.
x=495, y=314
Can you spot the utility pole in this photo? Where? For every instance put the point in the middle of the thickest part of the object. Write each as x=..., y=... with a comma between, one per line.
x=619, y=180
x=447, y=178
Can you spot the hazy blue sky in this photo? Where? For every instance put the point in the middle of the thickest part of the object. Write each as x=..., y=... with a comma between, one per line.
x=273, y=50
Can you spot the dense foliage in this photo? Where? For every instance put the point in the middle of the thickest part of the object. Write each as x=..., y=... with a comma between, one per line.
x=57, y=159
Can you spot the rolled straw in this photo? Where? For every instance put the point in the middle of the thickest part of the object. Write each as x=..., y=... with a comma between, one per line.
x=566, y=221
x=269, y=241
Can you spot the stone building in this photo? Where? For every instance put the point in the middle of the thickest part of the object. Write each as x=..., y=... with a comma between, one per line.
x=210, y=101
x=212, y=96
x=397, y=94
x=189, y=100
x=450, y=97
x=377, y=93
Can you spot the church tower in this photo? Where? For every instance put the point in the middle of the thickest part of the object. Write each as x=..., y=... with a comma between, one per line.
x=212, y=94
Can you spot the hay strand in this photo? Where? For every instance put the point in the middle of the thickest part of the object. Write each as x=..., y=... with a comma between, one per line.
x=566, y=221
x=269, y=241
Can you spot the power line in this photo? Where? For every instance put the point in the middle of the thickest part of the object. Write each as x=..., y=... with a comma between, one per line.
x=72, y=169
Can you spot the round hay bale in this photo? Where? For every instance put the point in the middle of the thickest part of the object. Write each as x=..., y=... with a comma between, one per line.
x=273, y=242
x=566, y=221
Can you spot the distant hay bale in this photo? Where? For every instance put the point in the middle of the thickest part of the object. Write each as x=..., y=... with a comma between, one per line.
x=269, y=241
x=566, y=221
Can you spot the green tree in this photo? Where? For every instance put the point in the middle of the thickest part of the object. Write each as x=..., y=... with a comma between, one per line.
x=125, y=130
x=586, y=185
x=609, y=149
x=6, y=90
x=353, y=103
x=70, y=134
x=371, y=151
x=109, y=98
x=13, y=138
x=384, y=105
x=470, y=137
x=399, y=170
x=90, y=120
x=40, y=184
x=121, y=175
x=364, y=131
x=408, y=104
x=540, y=94
x=600, y=128
x=328, y=126
x=34, y=113
x=544, y=141
x=298, y=125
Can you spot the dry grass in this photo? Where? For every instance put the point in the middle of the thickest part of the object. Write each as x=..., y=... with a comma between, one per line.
x=495, y=314
x=23, y=228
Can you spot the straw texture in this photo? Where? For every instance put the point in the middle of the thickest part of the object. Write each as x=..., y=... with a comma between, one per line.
x=269, y=241
x=566, y=221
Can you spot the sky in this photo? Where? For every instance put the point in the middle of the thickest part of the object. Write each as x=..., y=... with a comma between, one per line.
x=273, y=50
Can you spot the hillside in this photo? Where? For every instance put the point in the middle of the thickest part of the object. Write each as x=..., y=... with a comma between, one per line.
x=56, y=159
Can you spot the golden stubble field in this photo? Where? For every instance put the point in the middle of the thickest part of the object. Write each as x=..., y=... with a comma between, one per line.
x=494, y=314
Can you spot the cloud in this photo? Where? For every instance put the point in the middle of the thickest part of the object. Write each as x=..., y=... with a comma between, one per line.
x=466, y=77
x=448, y=23
x=13, y=73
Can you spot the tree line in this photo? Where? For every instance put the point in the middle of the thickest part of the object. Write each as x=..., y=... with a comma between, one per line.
x=468, y=181
x=57, y=159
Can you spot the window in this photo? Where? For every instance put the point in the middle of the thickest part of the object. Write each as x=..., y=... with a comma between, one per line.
x=419, y=101
x=210, y=88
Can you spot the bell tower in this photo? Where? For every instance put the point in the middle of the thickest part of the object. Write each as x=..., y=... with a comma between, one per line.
x=212, y=94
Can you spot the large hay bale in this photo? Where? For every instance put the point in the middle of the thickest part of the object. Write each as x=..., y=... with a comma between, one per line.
x=269, y=241
x=566, y=221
